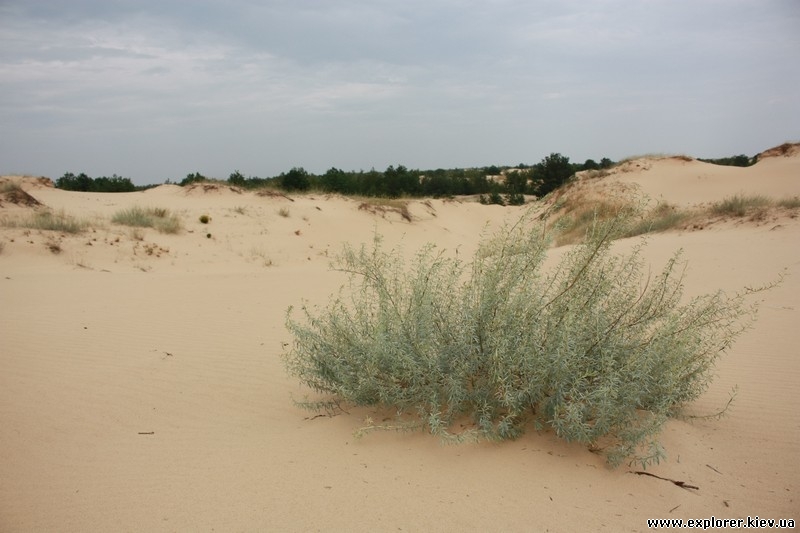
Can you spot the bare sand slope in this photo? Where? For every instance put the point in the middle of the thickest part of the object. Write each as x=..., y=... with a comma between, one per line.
x=688, y=182
x=143, y=391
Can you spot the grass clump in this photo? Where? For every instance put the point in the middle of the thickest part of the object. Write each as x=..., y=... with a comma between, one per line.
x=739, y=206
x=381, y=206
x=661, y=218
x=9, y=187
x=594, y=349
x=48, y=221
x=159, y=218
x=284, y=212
x=789, y=203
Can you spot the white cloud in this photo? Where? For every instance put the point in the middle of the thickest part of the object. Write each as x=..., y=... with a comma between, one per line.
x=386, y=82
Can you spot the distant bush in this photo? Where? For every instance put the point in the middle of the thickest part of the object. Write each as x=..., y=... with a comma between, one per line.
x=158, y=218
x=493, y=198
x=515, y=199
x=205, y=219
x=592, y=349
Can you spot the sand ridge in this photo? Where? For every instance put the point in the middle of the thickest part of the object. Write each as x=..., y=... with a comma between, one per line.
x=141, y=386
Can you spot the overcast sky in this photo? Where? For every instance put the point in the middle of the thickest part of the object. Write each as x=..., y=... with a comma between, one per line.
x=156, y=89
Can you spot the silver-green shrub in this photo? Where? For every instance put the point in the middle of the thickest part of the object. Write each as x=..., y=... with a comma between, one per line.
x=597, y=348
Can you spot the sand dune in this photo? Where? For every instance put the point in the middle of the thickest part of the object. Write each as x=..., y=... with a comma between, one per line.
x=141, y=386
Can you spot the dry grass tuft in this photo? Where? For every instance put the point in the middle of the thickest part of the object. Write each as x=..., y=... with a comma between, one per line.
x=152, y=217
x=739, y=206
x=13, y=193
x=789, y=203
x=47, y=221
x=381, y=206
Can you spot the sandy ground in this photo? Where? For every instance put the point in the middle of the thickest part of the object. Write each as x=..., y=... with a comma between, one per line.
x=141, y=385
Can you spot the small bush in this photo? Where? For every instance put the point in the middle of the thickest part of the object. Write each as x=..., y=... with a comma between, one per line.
x=284, y=212
x=205, y=219
x=594, y=349
x=493, y=198
x=515, y=199
x=158, y=218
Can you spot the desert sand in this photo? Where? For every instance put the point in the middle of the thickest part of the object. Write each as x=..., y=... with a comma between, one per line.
x=142, y=389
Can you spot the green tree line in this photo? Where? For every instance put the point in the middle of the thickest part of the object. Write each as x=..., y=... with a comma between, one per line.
x=495, y=184
x=82, y=182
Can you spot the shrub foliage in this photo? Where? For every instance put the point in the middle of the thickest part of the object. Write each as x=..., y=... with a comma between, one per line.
x=595, y=348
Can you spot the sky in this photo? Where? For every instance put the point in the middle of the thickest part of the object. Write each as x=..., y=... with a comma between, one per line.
x=157, y=89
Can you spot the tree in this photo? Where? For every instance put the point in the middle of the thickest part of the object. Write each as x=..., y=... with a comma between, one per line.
x=594, y=348
x=517, y=182
x=552, y=172
x=335, y=180
x=400, y=180
x=237, y=179
x=295, y=180
x=71, y=182
x=113, y=184
x=82, y=182
x=590, y=164
x=192, y=178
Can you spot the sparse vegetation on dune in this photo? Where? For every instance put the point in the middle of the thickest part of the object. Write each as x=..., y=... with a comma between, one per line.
x=655, y=156
x=573, y=212
x=12, y=192
x=46, y=220
x=9, y=186
x=382, y=206
x=574, y=222
x=792, y=202
x=739, y=206
x=158, y=218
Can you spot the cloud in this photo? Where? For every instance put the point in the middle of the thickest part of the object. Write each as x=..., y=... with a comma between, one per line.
x=385, y=82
